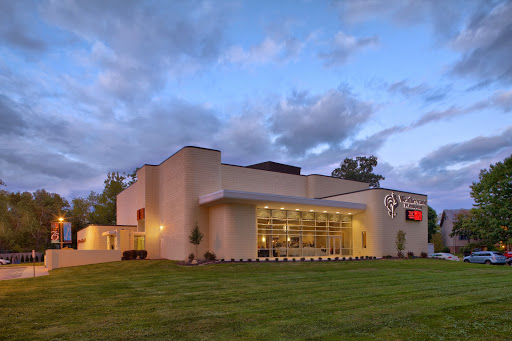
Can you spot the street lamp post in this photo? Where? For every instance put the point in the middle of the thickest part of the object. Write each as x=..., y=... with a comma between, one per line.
x=61, y=231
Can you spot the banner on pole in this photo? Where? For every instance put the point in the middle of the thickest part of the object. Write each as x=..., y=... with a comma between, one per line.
x=55, y=233
x=66, y=231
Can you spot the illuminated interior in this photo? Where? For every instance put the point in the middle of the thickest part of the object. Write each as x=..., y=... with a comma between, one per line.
x=283, y=233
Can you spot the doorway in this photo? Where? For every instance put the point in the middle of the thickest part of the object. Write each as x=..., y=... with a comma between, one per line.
x=334, y=245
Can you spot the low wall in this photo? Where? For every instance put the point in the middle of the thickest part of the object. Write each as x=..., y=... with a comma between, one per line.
x=68, y=257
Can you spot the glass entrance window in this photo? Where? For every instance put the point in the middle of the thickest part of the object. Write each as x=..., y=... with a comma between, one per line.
x=139, y=243
x=303, y=234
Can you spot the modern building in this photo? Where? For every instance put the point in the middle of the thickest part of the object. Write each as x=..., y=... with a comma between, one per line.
x=448, y=218
x=263, y=210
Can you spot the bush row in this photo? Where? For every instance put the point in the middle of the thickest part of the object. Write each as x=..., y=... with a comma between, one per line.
x=133, y=254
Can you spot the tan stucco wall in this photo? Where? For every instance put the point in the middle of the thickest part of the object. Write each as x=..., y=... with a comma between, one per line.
x=319, y=186
x=260, y=181
x=55, y=259
x=381, y=228
x=233, y=231
x=94, y=240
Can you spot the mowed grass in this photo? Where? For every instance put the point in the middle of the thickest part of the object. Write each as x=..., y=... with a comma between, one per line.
x=420, y=299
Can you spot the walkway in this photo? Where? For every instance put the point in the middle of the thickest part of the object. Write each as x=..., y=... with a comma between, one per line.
x=15, y=272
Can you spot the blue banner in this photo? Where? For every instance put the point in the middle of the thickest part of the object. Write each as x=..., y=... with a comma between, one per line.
x=66, y=231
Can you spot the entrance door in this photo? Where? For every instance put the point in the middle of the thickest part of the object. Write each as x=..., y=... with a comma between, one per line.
x=334, y=245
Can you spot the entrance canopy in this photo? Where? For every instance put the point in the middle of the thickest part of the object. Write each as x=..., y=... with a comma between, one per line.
x=274, y=201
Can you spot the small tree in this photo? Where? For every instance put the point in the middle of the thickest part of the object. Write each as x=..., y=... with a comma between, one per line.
x=195, y=237
x=400, y=242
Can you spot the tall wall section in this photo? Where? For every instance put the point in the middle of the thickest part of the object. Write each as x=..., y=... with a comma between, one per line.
x=381, y=228
x=261, y=181
x=190, y=173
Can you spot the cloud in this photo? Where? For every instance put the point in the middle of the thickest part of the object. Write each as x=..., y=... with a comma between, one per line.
x=343, y=46
x=135, y=46
x=422, y=91
x=503, y=99
x=280, y=45
x=444, y=17
x=15, y=19
x=487, y=46
x=478, y=148
x=329, y=118
x=12, y=122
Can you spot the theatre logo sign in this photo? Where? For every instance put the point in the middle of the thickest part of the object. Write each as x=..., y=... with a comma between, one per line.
x=413, y=207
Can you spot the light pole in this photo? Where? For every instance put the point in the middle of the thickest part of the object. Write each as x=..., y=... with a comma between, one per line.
x=61, y=231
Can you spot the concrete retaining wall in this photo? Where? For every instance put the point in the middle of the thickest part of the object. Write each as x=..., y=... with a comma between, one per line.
x=63, y=258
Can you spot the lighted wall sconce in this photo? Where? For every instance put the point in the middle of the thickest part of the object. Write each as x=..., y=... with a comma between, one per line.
x=161, y=227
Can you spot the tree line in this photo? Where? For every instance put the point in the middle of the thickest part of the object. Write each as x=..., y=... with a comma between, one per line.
x=25, y=217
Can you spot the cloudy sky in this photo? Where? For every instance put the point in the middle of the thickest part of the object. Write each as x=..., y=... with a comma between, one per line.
x=88, y=87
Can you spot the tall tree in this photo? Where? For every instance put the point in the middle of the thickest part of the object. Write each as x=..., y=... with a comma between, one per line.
x=359, y=169
x=132, y=176
x=432, y=223
x=104, y=204
x=491, y=217
x=2, y=183
x=78, y=215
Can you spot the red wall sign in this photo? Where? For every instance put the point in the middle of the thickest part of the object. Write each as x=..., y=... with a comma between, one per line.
x=413, y=215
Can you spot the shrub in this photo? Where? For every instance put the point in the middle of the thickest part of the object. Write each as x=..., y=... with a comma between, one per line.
x=329, y=259
x=277, y=259
x=410, y=254
x=400, y=254
x=267, y=260
x=319, y=258
x=249, y=260
x=356, y=258
x=257, y=259
x=349, y=258
x=312, y=259
x=210, y=256
x=387, y=256
x=336, y=258
x=232, y=259
x=293, y=259
x=222, y=260
x=303, y=259
x=374, y=257
x=142, y=254
x=241, y=259
x=343, y=258
x=191, y=257
x=446, y=249
x=424, y=254
x=285, y=259
x=128, y=255
x=37, y=258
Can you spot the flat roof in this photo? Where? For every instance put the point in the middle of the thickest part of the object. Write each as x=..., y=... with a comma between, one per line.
x=276, y=201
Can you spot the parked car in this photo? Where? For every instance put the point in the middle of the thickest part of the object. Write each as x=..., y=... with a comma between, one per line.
x=4, y=261
x=486, y=257
x=507, y=254
x=444, y=255
x=509, y=261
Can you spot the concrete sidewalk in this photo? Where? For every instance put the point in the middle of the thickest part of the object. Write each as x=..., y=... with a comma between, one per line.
x=15, y=272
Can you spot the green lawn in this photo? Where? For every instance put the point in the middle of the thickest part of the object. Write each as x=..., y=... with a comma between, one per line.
x=420, y=299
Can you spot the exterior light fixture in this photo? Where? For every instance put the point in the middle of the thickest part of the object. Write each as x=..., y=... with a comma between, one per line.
x=310, y=210
x=325, y=211
x=282, y=208
x=161, y=227
x=337, y=212
x=349, y=213
x=296, y=209
x=266, y=206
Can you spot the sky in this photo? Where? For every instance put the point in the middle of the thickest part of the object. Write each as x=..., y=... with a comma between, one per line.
x=90, y=87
